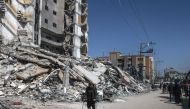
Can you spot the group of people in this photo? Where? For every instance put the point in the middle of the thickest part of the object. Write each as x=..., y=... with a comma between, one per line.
x=176, y=89
x=175, y=92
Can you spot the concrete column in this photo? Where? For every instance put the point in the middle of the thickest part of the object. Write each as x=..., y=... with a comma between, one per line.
x=66, y=80
x=77, y=31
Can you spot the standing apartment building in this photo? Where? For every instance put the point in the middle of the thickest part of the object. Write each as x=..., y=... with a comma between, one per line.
x=126, y=62
x=59, y=26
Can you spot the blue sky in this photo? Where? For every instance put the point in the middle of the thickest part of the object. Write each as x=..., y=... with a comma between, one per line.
x=122, y=25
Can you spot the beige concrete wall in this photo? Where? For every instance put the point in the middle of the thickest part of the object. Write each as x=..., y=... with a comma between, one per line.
x=57, y=19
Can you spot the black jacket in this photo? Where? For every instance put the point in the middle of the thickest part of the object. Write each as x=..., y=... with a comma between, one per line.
x=91, y=94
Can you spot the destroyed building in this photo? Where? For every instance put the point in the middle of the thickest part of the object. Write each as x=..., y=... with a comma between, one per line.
x=36, y=37
x=59, y=26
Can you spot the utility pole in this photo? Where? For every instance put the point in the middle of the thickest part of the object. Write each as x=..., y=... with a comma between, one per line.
x=149, y=49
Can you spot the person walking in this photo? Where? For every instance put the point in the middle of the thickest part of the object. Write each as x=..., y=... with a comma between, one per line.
x=164, y=88
x=177, y=92
x=91, y=94
x=170, y=90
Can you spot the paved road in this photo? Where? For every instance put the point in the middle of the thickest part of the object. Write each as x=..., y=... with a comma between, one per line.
x=153, y=100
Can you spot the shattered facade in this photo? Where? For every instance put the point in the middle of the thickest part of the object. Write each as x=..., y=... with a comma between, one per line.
x=16, y=22
x=59, y=26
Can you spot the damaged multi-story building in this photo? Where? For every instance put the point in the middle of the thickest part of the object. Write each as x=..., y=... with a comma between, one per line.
x=16, y=21
x=132, y=63
x=59, y=26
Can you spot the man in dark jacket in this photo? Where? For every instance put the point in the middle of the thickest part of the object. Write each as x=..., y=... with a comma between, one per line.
x=177, y=92
x=91, y=93
x=170, y=90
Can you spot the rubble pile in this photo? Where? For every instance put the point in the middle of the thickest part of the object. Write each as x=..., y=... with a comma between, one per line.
x=29, y=71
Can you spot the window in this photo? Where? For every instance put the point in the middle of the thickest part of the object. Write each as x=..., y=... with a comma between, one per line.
x=46, y=21
x=72, y=19
x=55, y=1
x=48, y=37
x=54, y=12
x=140, y=59
x=54, y=25
x=46, y=7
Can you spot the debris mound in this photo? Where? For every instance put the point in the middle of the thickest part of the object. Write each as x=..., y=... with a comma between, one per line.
x=28, y=71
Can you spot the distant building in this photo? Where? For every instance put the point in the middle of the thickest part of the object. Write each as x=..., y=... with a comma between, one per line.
x=60, y=26
x=105, y=58
x=171, y=74
x=127, y=62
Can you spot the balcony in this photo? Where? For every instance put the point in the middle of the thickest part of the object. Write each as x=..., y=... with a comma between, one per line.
x=84, y=49
x=52, y=42
x=69, y=6
x=84, y=7
x=84, y=19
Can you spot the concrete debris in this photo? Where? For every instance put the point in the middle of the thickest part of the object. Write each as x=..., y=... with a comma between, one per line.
x=90, y=76
x=31, y=72
x=13, y=84
x=22, y=88
x=119, y=100
x=45, y=91
x=1, y=93
x=27, y=71
x=5, y=105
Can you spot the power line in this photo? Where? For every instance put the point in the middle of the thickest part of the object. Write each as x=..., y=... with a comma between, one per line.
x=133, y=6
x=124, y=17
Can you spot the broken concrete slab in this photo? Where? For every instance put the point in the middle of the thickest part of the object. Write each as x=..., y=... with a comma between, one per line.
x=124, y=76
x=22, y=88
x=23, y=67
x=31, y=72
x=13, y=85
x=100, y=69
x=87, y=74
x=52, y=73
x=45, y=91
x=1, y=93
x=33, y=86
x=61, y=75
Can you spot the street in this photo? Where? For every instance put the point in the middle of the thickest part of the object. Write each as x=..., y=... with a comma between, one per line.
x=152, y=100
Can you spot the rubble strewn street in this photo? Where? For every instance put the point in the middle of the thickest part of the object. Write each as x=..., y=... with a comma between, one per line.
x=94, y=54
x=40, y=75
